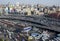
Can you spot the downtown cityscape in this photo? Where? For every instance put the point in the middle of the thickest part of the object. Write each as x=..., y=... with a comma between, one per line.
x=29, y=22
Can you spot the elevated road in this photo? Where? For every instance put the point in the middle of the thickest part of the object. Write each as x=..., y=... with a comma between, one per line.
x=38, y=21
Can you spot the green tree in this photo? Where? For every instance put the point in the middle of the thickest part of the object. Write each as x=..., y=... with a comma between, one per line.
x=1, y=39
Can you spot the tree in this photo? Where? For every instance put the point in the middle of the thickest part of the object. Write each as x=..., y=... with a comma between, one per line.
x=1, y=39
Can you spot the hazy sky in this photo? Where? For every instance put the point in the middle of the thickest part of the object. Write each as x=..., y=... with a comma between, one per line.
x=45, y=2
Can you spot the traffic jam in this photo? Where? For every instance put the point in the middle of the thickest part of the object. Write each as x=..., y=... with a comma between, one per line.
x=16, y=31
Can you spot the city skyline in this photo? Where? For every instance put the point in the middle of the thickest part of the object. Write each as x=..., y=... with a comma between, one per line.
x=44, y=2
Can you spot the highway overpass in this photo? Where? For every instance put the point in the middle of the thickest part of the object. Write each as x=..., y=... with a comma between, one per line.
x=38, y=21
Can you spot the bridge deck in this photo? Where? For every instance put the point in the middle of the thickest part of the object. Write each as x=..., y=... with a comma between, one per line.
x=40, y=21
